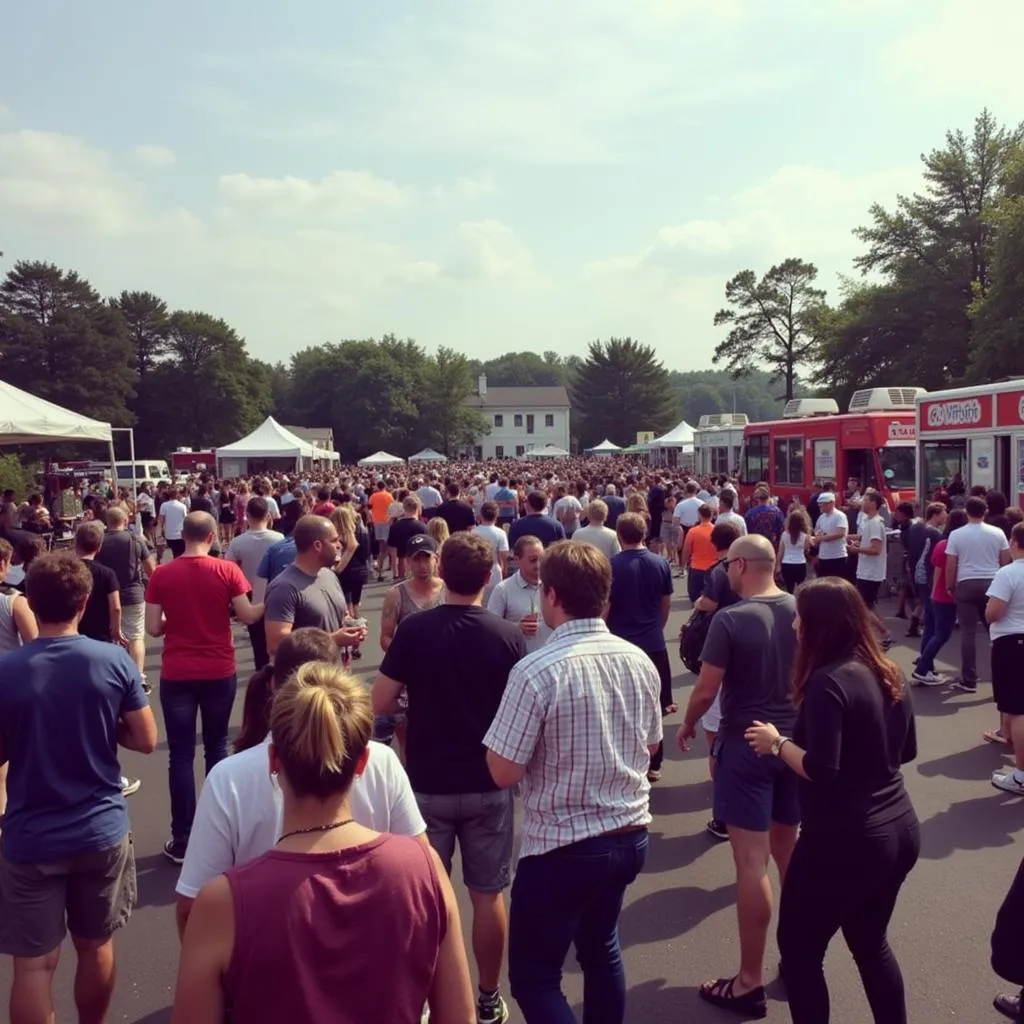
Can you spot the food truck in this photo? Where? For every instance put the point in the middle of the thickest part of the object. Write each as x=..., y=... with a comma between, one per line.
x=718, y=443
x=873, y=443
x=972, y=436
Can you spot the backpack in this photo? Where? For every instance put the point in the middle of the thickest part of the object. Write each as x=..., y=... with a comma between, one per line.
x=691, y=639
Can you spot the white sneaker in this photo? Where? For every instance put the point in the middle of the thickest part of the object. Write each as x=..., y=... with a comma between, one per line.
x=1007, y=782
x=928, y=679
x=130, y=786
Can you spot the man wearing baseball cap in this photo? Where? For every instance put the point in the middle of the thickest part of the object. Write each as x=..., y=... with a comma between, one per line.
x=830, y=537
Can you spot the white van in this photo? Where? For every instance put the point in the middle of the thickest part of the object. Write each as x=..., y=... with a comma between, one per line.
x=150, y=471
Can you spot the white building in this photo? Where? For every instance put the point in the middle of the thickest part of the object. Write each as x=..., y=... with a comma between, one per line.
x=520, y=419
x=718, y=443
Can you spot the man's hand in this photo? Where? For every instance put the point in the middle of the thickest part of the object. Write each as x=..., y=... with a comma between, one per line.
x=122, y=641
x=350, y=636
x=687, y=731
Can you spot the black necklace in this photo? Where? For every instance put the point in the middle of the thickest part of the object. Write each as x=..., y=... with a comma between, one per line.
x=316, y=828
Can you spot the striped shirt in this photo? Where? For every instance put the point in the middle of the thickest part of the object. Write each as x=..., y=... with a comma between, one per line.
x=580, y=713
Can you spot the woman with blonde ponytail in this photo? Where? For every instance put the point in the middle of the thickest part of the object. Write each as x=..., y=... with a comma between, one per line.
x=338, y=923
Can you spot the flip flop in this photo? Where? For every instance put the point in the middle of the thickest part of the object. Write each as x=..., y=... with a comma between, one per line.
x=995, y=736
x=1009, y=1006
x=750, y=1004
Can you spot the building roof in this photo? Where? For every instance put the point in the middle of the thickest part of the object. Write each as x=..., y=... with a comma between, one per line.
x=521, y=398
x=313, y=434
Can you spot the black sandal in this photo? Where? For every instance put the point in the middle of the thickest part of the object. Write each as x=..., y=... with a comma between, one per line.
x=719, y=993
x=1009, y=1006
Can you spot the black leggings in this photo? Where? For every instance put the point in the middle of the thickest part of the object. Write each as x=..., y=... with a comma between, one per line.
x=851, y=883
x=793, y=575
x=664, y=667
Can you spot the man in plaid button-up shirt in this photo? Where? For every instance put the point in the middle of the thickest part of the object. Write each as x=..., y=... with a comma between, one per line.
x=577, y=725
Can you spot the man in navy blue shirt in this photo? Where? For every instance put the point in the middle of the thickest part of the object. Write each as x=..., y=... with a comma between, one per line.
x=536, y=523
x=616, y=506
x=639, y=607
x=66, y=703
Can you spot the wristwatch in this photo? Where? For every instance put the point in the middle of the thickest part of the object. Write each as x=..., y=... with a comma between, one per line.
x=777, y=745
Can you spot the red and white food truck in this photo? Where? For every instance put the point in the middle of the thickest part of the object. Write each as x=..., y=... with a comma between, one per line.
x=974, y=435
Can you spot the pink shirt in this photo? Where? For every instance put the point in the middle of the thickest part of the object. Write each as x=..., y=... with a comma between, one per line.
x=940, y=592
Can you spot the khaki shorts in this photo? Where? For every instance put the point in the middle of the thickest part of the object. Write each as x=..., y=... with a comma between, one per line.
x=90, y=894
x=133, y=621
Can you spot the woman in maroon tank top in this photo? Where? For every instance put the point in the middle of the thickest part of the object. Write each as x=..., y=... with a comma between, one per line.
x=337, y=924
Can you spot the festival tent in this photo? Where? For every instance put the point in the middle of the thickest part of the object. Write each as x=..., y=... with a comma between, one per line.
x=606, y=447
x=427, y=455
x=270, y=446
x=674, y=448
x=550, y=451
x=25, y=419
x=380, y=459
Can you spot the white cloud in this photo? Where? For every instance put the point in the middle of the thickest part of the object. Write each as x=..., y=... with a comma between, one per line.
x=154, y=156
x=340, y=194
x=488, y=250
x=936, y=59
x=465, y=189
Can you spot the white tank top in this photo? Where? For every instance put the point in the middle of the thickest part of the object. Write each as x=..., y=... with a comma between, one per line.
x=9, y=638
x=793, y=554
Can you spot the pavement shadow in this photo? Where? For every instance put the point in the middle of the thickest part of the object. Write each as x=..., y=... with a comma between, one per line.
x=669, y=913
x=975, y=764
x=932, y=702
x=157, y=878
x=689, y=798
x=667, y=853
x=657, y=1002
x=979, y=824
x=156, y=1017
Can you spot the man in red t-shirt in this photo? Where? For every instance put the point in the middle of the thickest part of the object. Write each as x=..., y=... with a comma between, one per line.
x=189, y=602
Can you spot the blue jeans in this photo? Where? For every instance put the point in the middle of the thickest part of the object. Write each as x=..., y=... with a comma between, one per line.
x=572, y=896
x=182, y=701
x=943, y=619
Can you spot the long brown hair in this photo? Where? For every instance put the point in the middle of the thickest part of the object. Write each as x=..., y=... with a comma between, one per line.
x=797, y=523
x=834, y=626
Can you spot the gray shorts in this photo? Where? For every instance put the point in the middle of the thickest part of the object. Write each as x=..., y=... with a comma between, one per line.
x=133, y=621
x=482, y=823
x=90, y=894
x=380, y=531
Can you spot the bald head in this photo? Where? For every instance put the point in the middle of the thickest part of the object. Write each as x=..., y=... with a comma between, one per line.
x=308, y=530
x=199, y=528
x=755, y=549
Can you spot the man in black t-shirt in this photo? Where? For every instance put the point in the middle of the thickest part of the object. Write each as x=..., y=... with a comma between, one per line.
x=458, y=514
x=102, y=617
x=404, y=529
x=454, y=662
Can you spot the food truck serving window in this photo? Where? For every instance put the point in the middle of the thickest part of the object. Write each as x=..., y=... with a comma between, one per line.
x=943, y=460
x=899, y=467
x=756, y=464
x=789, y=460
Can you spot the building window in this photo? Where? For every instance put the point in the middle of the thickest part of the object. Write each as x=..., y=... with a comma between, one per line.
x=499, y=451
x=755, y=464
x=529, y=422
x=517, y=420
x=719, y=460
x=499, y=420
x=478, y=452
x=519, y=450
x=788, y=462
x=549, y=419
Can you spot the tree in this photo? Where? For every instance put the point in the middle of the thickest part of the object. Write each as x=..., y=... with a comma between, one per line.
x=451, y=424
x=620, y=389
x=61, y=342
x=148, y=327
x=935, y=254
x=774, y=322
x=705, y=392
x=998, y=349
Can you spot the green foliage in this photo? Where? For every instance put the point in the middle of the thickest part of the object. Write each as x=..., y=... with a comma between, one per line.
x=620, y=389
x=527, y=369
x=16, y=476
x=934, y=254
x=773, y=322
x=705, y=392
x=452, y=425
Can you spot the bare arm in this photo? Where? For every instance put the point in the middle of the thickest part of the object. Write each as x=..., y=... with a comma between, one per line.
x=246, y=612
x=702, y=697
x=24, y=620
x=994, y=610
x=205, y=955
x=705, y=604
x=114, y=611
x=504, y=772
x=389, y=618
x=451, y=998
x=136, y=730
x=951, y=563
x=276, y=632
x=384, y=695
x=155, y=622
x=1004, y=557
x=666, y=609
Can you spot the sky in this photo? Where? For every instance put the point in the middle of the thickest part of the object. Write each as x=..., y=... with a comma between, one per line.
x=486, y=175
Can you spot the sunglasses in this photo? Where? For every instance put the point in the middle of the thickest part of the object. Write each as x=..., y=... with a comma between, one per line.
x=760, y=558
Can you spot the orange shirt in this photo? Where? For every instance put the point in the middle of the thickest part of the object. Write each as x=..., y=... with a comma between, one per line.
x=703, y=553
x=379, y=502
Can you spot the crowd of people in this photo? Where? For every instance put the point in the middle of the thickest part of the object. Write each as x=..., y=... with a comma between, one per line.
x=524, y=658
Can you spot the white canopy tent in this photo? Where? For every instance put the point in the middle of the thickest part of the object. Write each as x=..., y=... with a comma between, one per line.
x=674, y=448
x=427, y=455
x=550, y=451
x=268, y=441
x=380, y=459
x=606, y=448
x=25, y=419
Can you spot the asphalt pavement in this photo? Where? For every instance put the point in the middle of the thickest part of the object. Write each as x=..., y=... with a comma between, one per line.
x=678, y=924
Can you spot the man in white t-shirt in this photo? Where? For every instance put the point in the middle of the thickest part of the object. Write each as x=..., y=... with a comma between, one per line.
x=567, y=510
x=830, y=537
x=430, y=498
x=1005, y=615
x=726, y=504
x=974, y=554
x=172, y=518
x=498, y=539
x=870, y=546
x=687, y=511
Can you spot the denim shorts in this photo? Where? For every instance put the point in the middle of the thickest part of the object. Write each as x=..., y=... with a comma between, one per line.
x=752, y=792
x=482, y=823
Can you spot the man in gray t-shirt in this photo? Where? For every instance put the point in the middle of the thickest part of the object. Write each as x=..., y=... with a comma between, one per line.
x=308, y=593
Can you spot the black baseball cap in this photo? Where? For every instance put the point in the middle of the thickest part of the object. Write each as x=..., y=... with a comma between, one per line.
x=419, y=544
